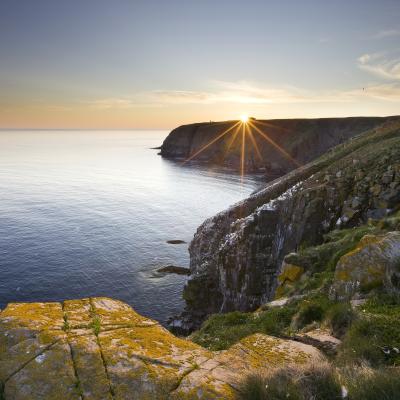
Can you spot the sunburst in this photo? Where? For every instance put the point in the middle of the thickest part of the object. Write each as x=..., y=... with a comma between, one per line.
x=246, y=127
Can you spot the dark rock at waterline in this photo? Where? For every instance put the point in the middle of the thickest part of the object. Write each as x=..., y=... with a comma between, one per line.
x=173, y=269
x=175, y=241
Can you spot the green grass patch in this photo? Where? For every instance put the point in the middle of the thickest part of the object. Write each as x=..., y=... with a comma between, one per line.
x=368, y=384
x=375, y=335
x=311, y=310
x=66, y=326
x=339, y=318
x=96, y=325
x=220, y=331
x=296, y=383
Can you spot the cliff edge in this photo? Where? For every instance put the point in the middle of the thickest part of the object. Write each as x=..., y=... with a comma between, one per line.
x=100, y=348
x=302, y=139
x=237, y=255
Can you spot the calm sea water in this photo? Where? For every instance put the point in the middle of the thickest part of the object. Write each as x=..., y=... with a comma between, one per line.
x=86, y=213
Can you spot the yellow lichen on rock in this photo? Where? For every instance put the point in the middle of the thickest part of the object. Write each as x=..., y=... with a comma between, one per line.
x=371, y=264
x=100, y=348
x=289, y=274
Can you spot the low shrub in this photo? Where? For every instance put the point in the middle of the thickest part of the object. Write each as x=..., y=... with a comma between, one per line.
x=339, y=318
x=311, y=310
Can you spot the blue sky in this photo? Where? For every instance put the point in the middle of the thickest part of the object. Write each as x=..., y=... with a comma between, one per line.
x=157, y=64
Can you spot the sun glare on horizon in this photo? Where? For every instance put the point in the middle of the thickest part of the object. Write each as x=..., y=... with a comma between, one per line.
x=244, y=118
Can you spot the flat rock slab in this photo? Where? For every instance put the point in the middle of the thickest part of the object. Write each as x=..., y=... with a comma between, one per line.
x=99, y=348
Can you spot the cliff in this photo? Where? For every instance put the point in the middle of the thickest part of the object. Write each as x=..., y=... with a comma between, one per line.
x=100, y=348
x=237, y=255
x=302, y=139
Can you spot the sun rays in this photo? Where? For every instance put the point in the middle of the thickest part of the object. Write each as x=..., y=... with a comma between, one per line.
x=244, y=128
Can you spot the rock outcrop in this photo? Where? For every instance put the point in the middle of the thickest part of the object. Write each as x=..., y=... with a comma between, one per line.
x=237, y=255
x=100, y=348
x=374, y=263
x=303, y=139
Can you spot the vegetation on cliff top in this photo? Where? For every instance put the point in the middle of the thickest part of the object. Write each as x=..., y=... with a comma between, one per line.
x=369, y=329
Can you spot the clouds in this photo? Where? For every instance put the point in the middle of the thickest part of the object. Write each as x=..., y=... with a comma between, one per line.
x=390, y=33
x=384, y=65
x=243, y=92
x=112, y=103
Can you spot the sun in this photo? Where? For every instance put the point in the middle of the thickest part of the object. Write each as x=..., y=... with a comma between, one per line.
x=244, y=118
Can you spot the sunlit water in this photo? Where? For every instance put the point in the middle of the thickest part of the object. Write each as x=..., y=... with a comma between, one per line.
x=86, y=213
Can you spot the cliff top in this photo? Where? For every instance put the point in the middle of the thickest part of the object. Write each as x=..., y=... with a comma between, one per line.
x=100, y=348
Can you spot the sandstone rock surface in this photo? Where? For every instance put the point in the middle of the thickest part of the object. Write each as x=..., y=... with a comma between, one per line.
x=99, y=348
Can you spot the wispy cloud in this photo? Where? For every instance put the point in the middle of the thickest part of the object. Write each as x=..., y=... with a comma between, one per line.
x=387, y=34
x=243, y=92
x=113, y=103
x=253, y=93
x=384, y=65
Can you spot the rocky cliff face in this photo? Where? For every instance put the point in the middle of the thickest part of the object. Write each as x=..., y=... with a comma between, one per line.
x=237, y=255
x=302, y=139
x=99, y=348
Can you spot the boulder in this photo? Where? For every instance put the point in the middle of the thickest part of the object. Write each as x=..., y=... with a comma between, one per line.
x=289, y=274
x=375, y=262
x=100, y=348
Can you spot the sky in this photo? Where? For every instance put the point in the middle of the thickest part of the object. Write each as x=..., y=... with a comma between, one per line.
x=157, y=64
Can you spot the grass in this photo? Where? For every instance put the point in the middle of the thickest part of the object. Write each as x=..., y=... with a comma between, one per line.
x=66, y=326
x=221, y=331
x=96, y=325
x=339, y=319
x=365, y=383
x=311, y=310
x=375, y=335
x=318, y=382
x=323, y=382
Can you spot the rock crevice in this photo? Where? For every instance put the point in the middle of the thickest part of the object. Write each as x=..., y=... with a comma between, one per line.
x=81, y=352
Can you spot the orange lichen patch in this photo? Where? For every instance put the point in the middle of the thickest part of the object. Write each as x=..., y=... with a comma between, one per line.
x=50, y=375
x=367, y=265
x=17, y=350
x=148, y=361
x=115, y=313
x=262, y=351
x=35, y=316
x=77, y=313
x=89, y=367
x=116, y=359
x=364, y=241
x=290, y=272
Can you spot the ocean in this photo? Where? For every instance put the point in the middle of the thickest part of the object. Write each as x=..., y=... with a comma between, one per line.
x=89, y=213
